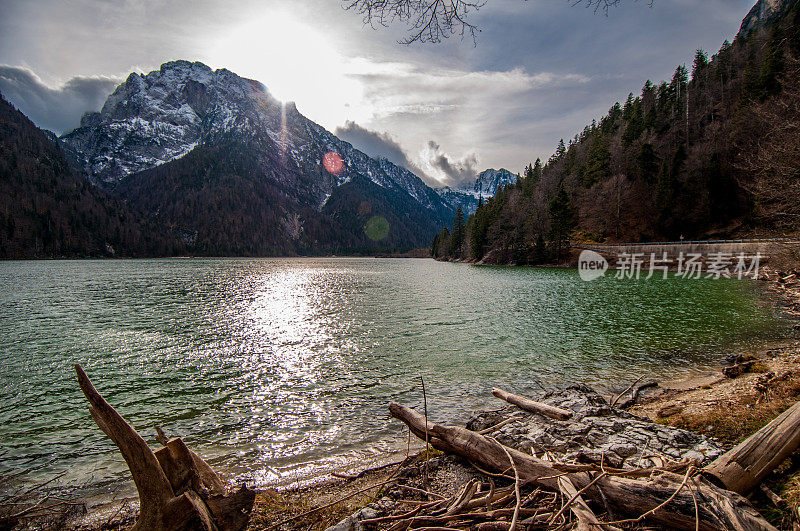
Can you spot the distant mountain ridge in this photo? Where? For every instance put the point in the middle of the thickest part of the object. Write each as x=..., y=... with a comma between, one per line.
x=485, y=186
x=490, y=180
x=151, y=123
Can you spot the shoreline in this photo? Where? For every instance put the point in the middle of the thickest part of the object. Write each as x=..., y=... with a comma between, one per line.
x=356, y=470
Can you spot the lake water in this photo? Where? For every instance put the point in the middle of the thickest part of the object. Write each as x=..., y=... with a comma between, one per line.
x=277, y=368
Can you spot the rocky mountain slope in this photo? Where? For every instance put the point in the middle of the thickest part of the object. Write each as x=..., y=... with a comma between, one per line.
x=139, y=145
x=485, y=186
x=764, y=12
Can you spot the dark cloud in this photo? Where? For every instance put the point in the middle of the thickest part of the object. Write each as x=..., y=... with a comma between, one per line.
x=437, y=168
x=457, y=173
x=377, y=144
x=58, y=109
x=373, y=143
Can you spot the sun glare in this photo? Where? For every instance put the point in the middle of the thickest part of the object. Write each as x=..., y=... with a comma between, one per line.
x=296, y=63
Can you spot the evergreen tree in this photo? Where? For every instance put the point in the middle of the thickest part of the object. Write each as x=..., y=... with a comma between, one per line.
x=528, y=172
x=444, y=244
x=539, y=250
x=628, y=107
x=435, y=246
x=771, y=67
x=458, y=233
x=679, y=81
x=647, y=162
x=700, y=62
x=478, y=230
x=562, y=221
x=532, y=176
x=667, y=191
x=598, y=161
x=751, y=82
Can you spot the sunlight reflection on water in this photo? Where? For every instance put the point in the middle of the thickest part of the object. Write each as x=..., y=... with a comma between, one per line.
x=276, y=369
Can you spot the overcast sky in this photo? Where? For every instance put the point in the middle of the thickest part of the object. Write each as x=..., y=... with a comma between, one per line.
x=541, y=70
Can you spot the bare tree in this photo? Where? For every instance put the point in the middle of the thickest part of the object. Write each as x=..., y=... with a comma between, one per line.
x=434, y=20
x=772, y=159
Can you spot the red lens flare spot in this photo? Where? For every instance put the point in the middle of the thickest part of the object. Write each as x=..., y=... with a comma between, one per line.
x=333, y=163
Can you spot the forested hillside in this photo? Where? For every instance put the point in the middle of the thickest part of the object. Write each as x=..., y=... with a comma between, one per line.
x=47, y=210
x=712, y=152
x=228, y=198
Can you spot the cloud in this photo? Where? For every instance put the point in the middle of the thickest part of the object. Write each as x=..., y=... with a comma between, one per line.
x=437, y=168
x=456, y=173
x=58, y=109
x=374, y=144
x=401, y=88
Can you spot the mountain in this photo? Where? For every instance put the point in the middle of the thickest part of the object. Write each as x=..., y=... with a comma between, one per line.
x=48, y=210
x=713, y=152
x=490, y=180
x=185, y=142
x=485, y=186
x=764, y=12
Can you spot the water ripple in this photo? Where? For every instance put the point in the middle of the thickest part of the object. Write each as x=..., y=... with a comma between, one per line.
x=275, y=369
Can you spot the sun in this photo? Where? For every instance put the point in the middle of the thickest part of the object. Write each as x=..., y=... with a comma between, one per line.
x=296, y=62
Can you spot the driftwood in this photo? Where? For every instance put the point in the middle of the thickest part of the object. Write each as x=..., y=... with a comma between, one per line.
x=667, y=499
x=737, y=370
x=746, y=465
x=625, y=404
x=177, y=489
x=530, y=405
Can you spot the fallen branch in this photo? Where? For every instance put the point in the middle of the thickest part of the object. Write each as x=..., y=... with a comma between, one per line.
x=531, y=405
x=718, y=509
x=586, y=517
x=625, y=404
x=516, y=486
x=614, y=402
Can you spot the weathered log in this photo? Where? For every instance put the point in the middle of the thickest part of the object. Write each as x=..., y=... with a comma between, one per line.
x=177, y=489
x=742, y=468
x=717, y=509
x=155, y=491
x=531, y=405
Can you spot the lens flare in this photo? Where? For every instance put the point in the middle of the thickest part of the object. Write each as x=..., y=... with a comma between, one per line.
x=377, y=228
x=333, y=163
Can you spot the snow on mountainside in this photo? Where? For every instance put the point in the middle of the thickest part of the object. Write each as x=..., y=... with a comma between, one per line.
x=161, y=116
x=490, y=180
x=485, y=186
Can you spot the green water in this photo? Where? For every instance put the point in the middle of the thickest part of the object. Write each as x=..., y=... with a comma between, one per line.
x=276, y=368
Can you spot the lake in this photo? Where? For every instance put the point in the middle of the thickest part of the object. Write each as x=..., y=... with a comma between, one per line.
x=277, y=369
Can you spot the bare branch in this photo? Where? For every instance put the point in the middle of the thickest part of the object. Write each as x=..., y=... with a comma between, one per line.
x=434, y=20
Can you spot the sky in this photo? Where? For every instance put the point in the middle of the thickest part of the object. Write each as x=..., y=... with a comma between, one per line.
x=539, y=71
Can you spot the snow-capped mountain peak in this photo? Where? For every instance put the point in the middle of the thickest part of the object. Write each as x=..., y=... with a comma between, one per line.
x=485, y=186
x=157, y=117
x=490, y=180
